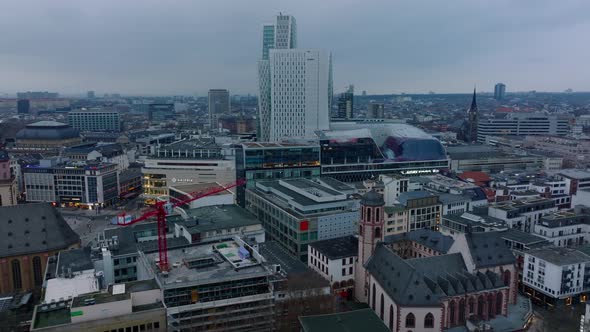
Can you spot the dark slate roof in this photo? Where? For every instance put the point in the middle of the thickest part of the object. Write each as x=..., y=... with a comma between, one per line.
x=489, y=249
x=426, y=237
x=76, y=260
x=363, y=320
x=405, y=197
x=426, y=281
x=337, y=248
x=49, y=130
x=4, y=156
x=372, y=198
x=33, y=228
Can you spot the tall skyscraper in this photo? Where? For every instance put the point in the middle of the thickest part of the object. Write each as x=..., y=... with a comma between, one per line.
x=375, y=110
x=90, y=94
x=345, y=104
x=23, y=106
x=499, y=91
x=219, y=104
x=473, y=116
x=295, y=85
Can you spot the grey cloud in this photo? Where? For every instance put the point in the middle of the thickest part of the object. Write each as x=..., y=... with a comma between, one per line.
x=382, y=46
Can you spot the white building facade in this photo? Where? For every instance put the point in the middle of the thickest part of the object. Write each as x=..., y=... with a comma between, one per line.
x=295, y=85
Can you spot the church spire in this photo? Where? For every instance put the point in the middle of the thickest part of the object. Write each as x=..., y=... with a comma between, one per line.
x=473, y=107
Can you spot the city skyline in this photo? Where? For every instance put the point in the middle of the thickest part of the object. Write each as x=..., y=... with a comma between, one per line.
x=413, y=48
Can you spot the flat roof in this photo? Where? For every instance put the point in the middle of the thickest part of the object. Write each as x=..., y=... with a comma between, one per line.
x=214, y=266
x=521, y=237
x=99, y=298
x=216, y=217
x=362, y=320
x=579, y=174
x=262, y=145
x=341, y=247
x=560, y=255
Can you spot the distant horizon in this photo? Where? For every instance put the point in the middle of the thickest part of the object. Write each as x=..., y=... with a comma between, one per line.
x=336, y=93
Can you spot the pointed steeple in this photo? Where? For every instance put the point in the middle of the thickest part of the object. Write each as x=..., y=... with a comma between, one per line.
x=473, y=107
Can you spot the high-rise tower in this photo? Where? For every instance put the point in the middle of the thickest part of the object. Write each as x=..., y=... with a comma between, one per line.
x=295, y=84
x=473, y=116
x=219, y=104
x=499, y=91
x=370, y=233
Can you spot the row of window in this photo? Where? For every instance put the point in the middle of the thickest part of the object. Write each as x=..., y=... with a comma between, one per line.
x=137, y=328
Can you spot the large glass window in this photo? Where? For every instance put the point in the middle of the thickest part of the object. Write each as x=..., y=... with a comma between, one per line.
x=16, y=274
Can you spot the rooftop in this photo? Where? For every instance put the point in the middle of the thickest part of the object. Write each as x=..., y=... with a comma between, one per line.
x=411, y=195
x=33, y=228
x=337, y=248
x=521, y=237
x=204, y=264
x=470, y=219
x=522, y=203
x=266, y=145
x=560, y=255
x=576, y=174
x=426, y=237
x=489, y=249
x=216, y=217
x=426, y=281
x=350, y=321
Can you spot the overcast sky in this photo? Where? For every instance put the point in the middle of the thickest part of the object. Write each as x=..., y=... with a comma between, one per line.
x=388, y=46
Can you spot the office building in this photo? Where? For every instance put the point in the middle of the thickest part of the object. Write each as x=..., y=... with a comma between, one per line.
x=499, y=91
x=31, y=233
x=492, y=160
x=346, y=104
x=557, y=276
x=8, y=181
x=523, y=124
x=77, y=298
x=107, y=153
x=47, y=137
x=522, y=214
x=295, y=86
x=186, y=162
x=565, y=228
x=356, y=151
x=461, y=223
x=288, y=40
x=95, y=120
x=222, y=286
x=89, y=184
x=267, y=161
x=23, y=106
x=576, y=179
x=296, y=212
x=575, y=152
x=375, y=111
x=160, y=112
x=219, y=104
x=90, y=94
x=422, y=209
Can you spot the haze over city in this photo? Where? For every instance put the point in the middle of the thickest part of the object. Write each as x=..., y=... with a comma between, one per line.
x=187, y=47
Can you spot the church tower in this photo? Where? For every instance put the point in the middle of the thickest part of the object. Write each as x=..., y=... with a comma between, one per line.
x=370, y=233
x=473, y=116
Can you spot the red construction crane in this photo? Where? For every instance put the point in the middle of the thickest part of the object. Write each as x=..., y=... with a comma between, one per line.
x=163, y=208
